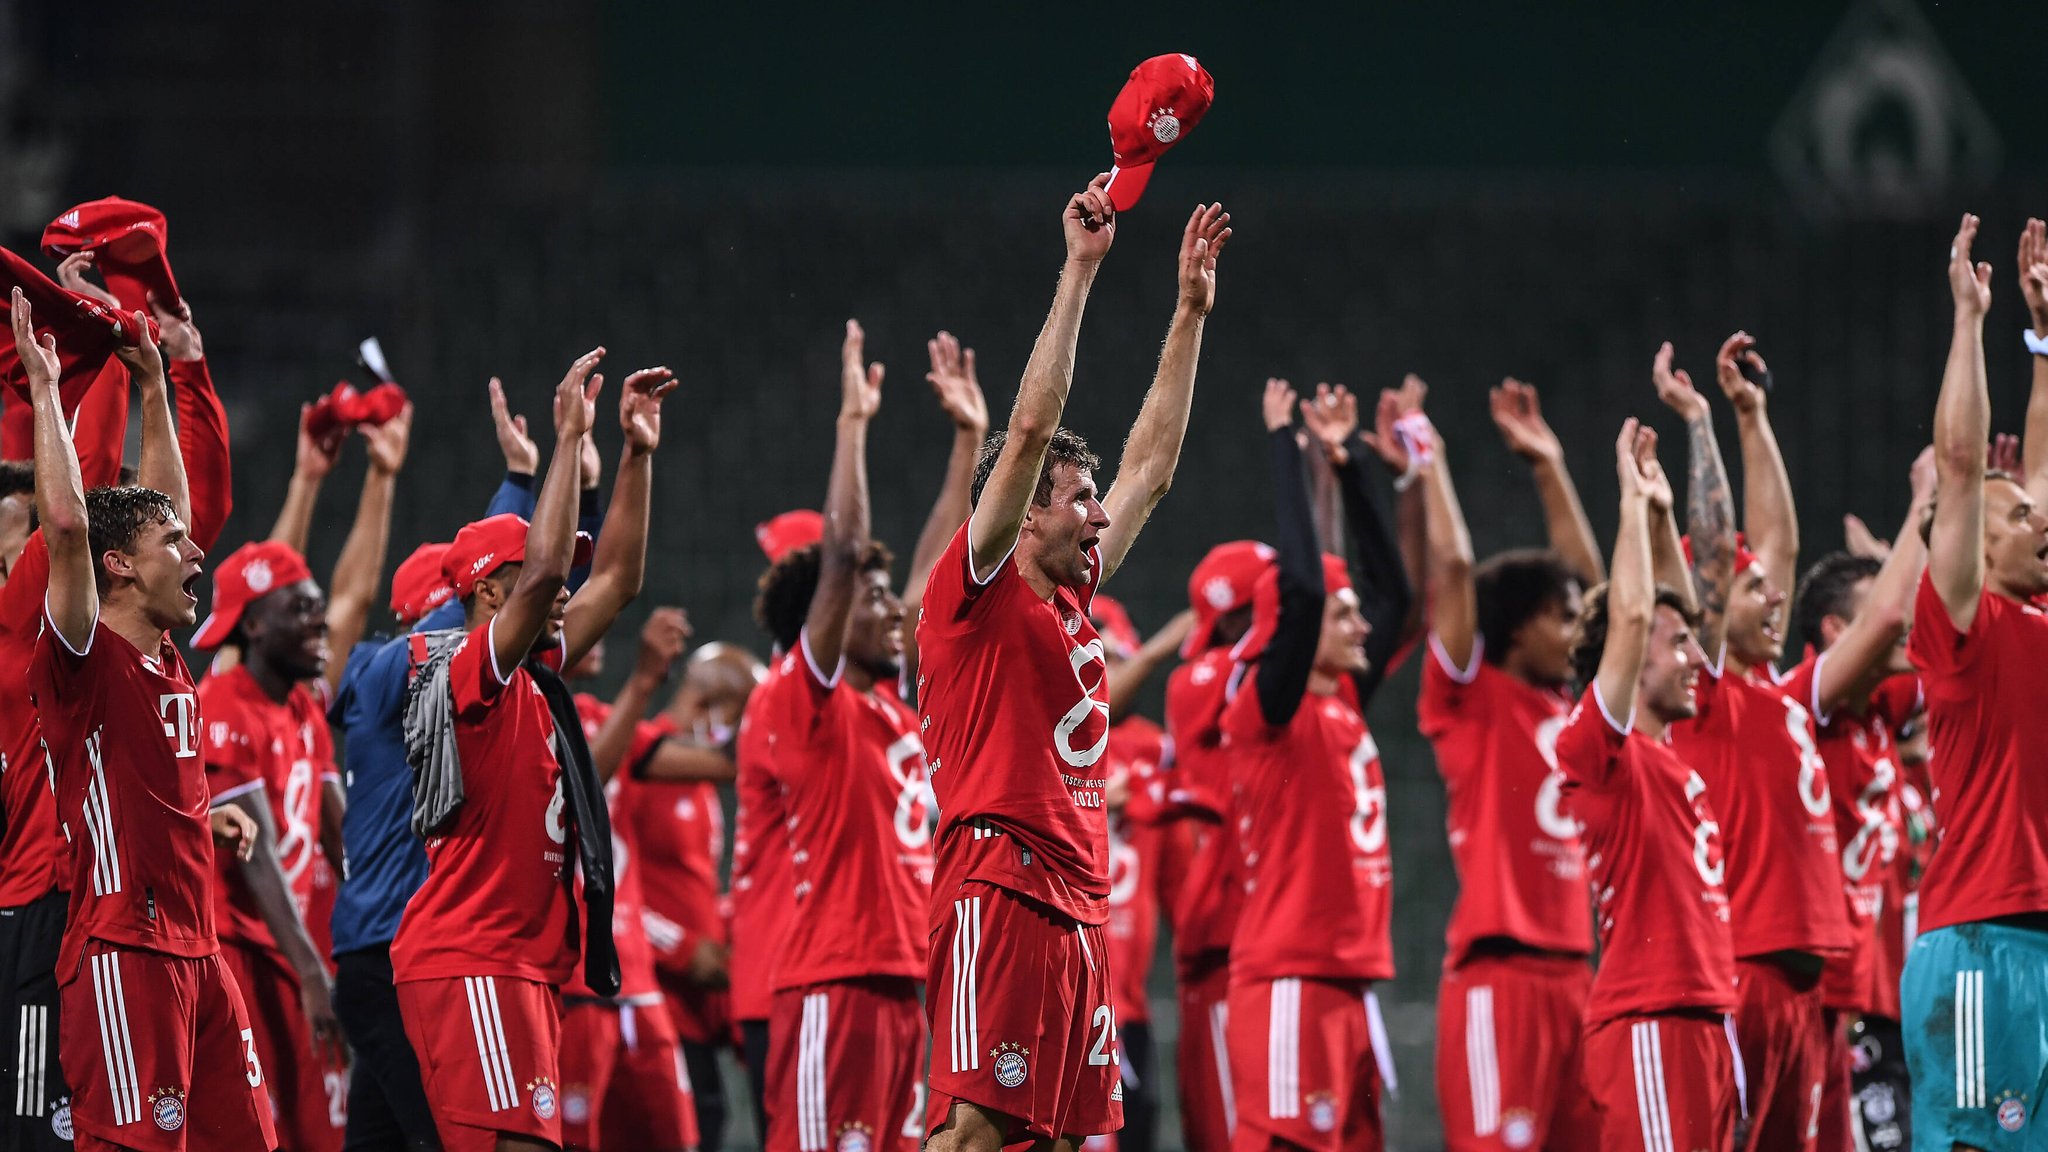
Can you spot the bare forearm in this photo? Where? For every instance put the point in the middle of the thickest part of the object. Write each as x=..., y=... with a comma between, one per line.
x=1667, y=559
x=294, y=524
x=620, y=562
x=162, y=466
x=272, y=893
x=1710, y=521
x=615, y=739
x=1962, y=422
x=948, y=512
x=1453, y=602
x=846, y=530
x=2034, y=447
x=1571, y=534
x=1162, y=424
x=1768, y=514
x=1049, y=373
x=333, y=805
x=1631, y=602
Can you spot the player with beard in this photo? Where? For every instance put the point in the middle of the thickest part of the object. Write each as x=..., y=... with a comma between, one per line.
x=1495, y=691
x=1753, y=743
x=269, y=753
x=134, y=808
x=1974, y=997
x=1310, y=803
x=1659, y=1056
x=1014, y=696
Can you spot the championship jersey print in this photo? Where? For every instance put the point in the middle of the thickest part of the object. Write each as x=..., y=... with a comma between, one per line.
x=1521, y=868
x=1654, y=850
x=1312, y=832
x=252, y=743
x=1863, y=777
x=123, y=732
x=1015, y=694
x=851, y=770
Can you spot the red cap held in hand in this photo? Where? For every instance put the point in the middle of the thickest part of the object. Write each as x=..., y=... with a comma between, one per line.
x=1163, y=100
x=1221, y=584
x=487, y=545
x=419, y=586
x=87, y=331
x=247, y=575
x=129, y=242
x=788, y=532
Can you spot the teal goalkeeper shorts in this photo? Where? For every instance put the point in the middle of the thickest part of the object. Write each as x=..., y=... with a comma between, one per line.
x=1974, y=1002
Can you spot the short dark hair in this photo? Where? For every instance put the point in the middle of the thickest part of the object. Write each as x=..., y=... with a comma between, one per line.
x=115, y=517
x=787, y=586
x=1591, y=642
x=1066, y=447
x=1826, y=590
x=17, y=478
x=1513, y=587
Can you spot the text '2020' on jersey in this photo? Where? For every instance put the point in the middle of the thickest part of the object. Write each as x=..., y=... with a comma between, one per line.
x=1015, y=695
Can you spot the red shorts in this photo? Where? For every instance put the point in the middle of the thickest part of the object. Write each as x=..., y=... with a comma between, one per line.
x=489, y=1057
x=1020, y=1013
x=1784, y=1041
x=1307, y=1069
x=160, y=1054
x=308, y=1117
x=1507, y=1055
x=1663, y=1083
x=1208, y=1111
x=623, y=1079
x=844, y=1061
x=1835, y=1135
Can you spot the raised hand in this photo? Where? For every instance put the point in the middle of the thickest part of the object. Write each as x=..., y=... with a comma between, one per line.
x=181, y=335
x=520, y=452
x=1200, y=243
x=576, y=396
x=860, y=386
x=953, y=381
x=1737, y=350
x=387, y=442
x=1331, y=417
x=640, y=408
x=71, y=274
x=1859, y=540
x=1089, y=222
x=2003, y=455
x=1628, y=464
x=1969, y=283
x=1674, y=386
x=2034, y=274
x=315, y=455
x=1386, y=437
x=1519, y=417
x=1279, y=404
x=38, y=357
x=662, y=640
x=143, y=360
x=1656, y=485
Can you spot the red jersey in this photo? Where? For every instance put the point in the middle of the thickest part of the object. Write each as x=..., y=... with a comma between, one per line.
x=1521, y=868
x=1015, y=694
x=1138, y=849
x=1654, y=850
x=30, y=845
x=122, y=727
x=1753, y=744
x=629, y=932
x=1205, y=912
x=679, y=830
x=496, y=899
x=763, y=896
x=851, y=770
x=1863, y=777
x=1312, y=832
x=1986, y=726
x=250, y=741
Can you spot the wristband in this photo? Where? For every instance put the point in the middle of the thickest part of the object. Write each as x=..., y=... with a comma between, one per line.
x=1413, y=431
x=2036, y=344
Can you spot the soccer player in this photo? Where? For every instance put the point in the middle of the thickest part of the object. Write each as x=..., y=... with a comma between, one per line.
x=1205, y=913
x=488, y=939
x=1013, y=693
x=1975, y=993
x=1752, y=741
x=134, y=808
x=1311, y=812
x=1659, y=1048
x=1495, y=691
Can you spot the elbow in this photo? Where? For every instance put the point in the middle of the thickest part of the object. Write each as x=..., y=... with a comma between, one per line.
x=1030, y=430
x=63, y=525
x=1452, y=563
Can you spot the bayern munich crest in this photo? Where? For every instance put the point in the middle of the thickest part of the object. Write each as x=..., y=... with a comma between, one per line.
x=167, y=1108
x=1165, y=126
x=1010, y=1064
x=855, y=1138
x=543, y=1095
x=576, y=1106
x=60, y=1121
x=1518, y=1128
x=1322, y=1112
x=2012, y=1114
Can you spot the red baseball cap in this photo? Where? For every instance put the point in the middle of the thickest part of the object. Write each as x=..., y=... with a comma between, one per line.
x=1162, y=102
x=129, y=241
x=87, y=331
x=1115, y=625
x=419, y=587
x=244, y=577
x=1221, y=584
x=345, y=408
x=780, y=536
x=1266, y=604
x=484, y=546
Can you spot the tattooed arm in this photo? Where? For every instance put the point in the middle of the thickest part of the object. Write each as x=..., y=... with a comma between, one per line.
x=1709, y=504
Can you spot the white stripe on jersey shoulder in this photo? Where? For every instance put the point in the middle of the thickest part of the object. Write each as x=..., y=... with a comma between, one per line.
x=995, y=571
x=1601, y=699
x=1470, y=671
x=50, y=622
x=803, y=641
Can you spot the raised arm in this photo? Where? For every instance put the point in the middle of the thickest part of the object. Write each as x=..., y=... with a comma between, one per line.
x=954, y=382
x=202, y=424
x=1709, y=505
x=315, y=459
x=352, y=590
x=1887, y=607
x=1290, y=655
x=2034, y=286
x=99, y=429
x=1453, y=602
x=621, y=560
x=1384, y=594
x=1962, y=424
x=73, y=599
x=846, y=508
x=662, y=640
x=1153, y=450
x=272, y=893
x=1089, y=224
x=1769, y=518
x=163, y=464
x=551, y=535
x=1631, y=593
x=1519, y=416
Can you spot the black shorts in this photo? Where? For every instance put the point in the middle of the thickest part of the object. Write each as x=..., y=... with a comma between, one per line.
x=35, y=1101
x=387, y=1102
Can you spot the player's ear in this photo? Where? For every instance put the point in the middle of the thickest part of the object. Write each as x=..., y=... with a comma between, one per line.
x=118, y=564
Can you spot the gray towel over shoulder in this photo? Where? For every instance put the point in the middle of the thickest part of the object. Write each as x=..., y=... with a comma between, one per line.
x=430, y=734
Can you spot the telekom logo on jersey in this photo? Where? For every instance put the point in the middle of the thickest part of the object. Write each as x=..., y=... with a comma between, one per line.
x=180, y=712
